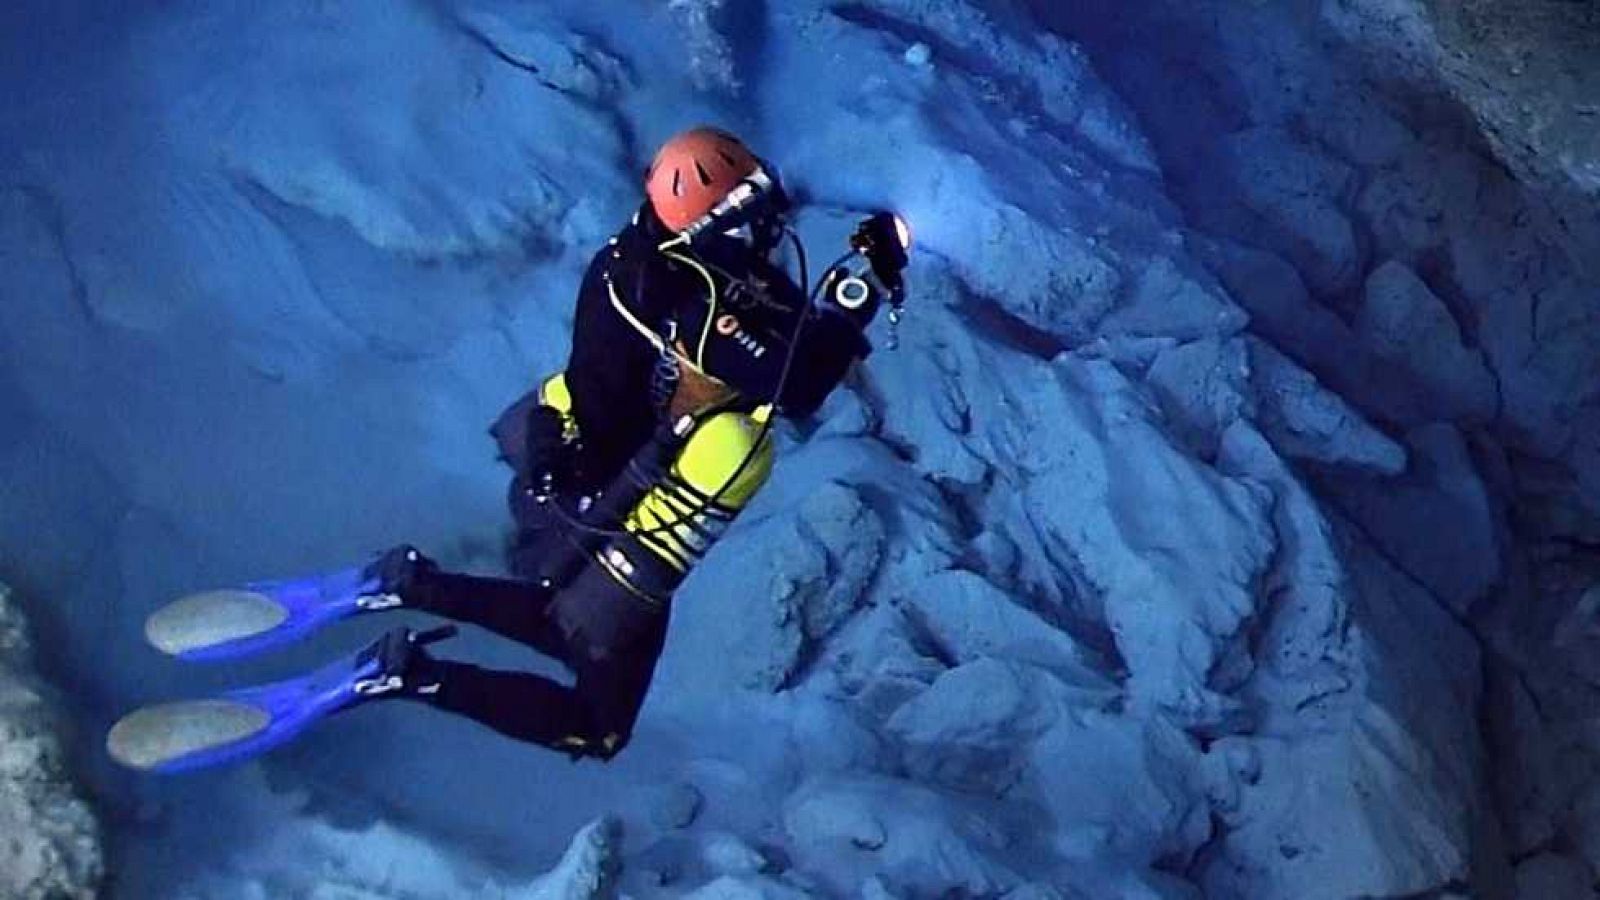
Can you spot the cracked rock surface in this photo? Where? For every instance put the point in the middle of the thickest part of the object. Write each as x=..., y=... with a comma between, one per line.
x=1226, y=524
x=50, y=849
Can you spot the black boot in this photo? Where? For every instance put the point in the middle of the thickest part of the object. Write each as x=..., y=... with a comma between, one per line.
x=402, y=573
x=404, y=668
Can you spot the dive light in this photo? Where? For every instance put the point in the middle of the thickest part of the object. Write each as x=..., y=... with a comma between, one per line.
x=881, y=242
x=884, y=239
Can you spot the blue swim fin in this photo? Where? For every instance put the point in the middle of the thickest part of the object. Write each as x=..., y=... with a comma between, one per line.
x=231, y=623
x=241, y=724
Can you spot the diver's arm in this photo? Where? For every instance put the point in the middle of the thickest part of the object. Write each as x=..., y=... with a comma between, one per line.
x=608, y=374
x=848, y=300
x=828, y=347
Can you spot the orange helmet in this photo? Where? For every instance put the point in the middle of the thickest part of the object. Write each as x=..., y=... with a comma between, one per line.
x=693, y=172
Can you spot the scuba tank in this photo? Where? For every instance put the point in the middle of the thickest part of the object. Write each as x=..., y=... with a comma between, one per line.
x=668, y=506
x=679, y=495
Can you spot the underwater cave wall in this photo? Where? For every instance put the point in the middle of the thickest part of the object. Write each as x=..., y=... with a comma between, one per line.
x=51, y=847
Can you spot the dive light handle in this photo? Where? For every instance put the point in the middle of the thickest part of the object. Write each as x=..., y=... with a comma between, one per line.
x=852, y=290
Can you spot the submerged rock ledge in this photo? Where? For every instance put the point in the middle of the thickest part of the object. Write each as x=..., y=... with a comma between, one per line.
x=51, y=841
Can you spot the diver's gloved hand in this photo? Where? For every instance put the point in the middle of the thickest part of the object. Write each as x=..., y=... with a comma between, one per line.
x=885, y=241
x=549, y=456
x=859, y=288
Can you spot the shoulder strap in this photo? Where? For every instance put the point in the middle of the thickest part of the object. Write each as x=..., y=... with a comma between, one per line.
x=662, y=343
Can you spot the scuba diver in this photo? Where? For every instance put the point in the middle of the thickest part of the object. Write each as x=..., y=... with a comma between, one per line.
x=629, y=464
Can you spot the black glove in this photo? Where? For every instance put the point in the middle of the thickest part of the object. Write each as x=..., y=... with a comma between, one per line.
x=880, y=239
x=549, y=456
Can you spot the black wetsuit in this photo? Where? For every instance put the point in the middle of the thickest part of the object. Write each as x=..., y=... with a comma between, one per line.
x=594, y=716
x=608, y=637
x=610, y=368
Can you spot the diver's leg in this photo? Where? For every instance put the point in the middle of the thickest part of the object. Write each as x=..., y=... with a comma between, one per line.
x=613, y=688
x=595, y=717
x=520, y=705
x=511, y=608
x=507, y=607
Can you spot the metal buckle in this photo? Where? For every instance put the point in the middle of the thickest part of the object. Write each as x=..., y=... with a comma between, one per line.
x=377, y=687
x=373, y=602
